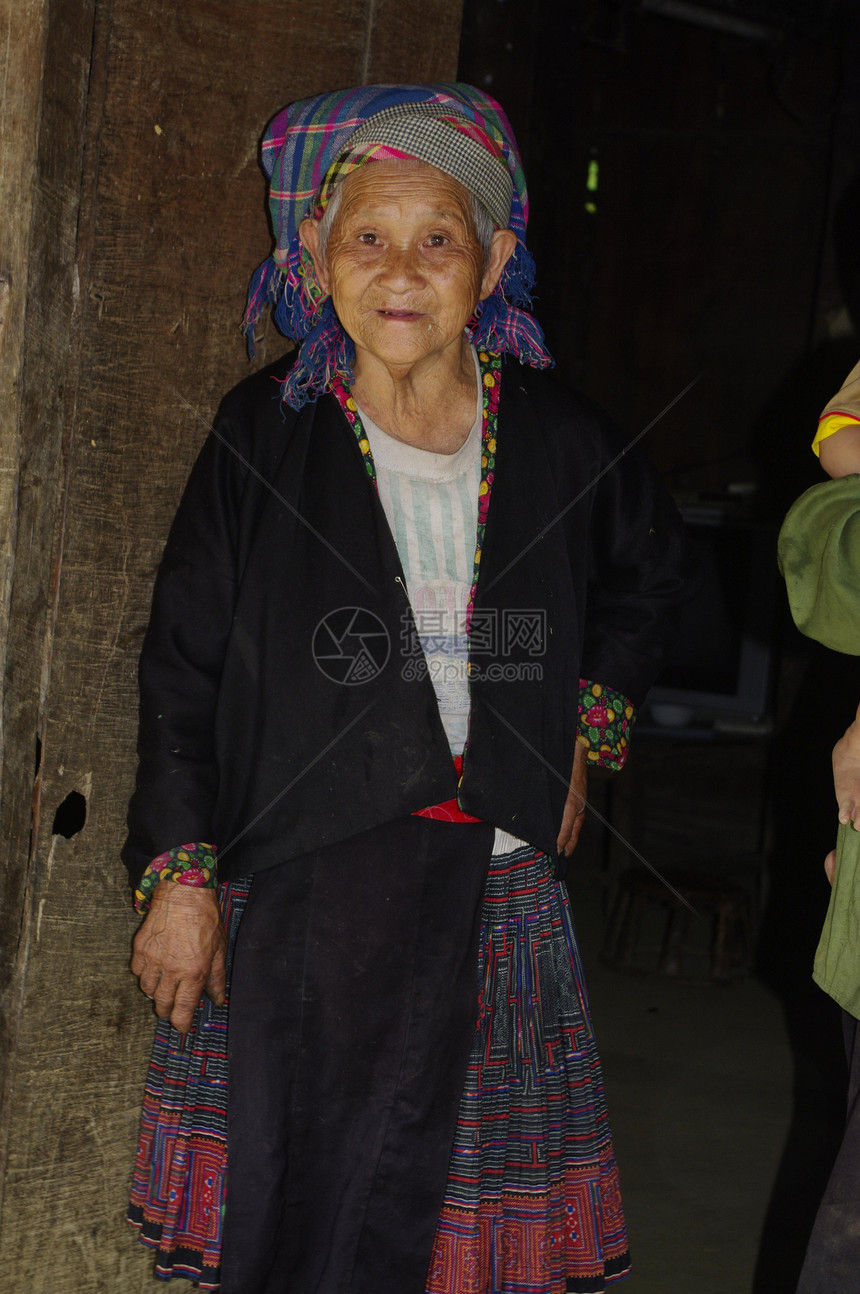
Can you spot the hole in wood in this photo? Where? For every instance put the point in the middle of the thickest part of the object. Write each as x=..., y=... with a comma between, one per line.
x=70, y=816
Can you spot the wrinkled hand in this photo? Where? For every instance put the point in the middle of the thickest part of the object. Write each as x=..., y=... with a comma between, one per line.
x=574, y=809
x=180, y=950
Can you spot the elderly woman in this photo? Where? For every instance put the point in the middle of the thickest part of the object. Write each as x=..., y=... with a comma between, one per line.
x=410, y=593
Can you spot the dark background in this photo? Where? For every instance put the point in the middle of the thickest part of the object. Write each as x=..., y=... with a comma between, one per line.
x=721, y=242
x=707, y=248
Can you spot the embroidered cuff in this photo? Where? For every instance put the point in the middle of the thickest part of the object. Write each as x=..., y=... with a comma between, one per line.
x=193, y=864
x=606, y=720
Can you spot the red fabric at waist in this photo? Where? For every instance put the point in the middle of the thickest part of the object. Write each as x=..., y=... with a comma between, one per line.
x=448, y=810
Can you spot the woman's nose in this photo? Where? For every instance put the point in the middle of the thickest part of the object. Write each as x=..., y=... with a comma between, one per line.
x=401, y=268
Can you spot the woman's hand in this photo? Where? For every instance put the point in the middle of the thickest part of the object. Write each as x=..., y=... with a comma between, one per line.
x=574, y=809
x=179, y=950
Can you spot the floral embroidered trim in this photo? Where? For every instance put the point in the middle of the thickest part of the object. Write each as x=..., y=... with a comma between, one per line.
x=193, y=864
x=491, y=383
x=344, y=398
x=606, y=720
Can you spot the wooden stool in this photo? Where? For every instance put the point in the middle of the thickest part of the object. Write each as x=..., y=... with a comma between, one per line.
x=641, y=895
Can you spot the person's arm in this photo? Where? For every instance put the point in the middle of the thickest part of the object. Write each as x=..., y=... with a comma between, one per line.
x=846, y=773
x=181, y=663
x=605, y=721
x=846, y=783
x=840, y=451
x=574, y=808
x=837, y=441
x=180, y=946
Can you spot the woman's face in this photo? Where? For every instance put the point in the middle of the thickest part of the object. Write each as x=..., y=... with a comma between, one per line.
x=403, y=266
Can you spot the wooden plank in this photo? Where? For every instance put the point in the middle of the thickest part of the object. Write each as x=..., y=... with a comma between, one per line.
x=21, y=54
x=407, y=42
x=22, y=33
x=41, y=153
x=165, y=244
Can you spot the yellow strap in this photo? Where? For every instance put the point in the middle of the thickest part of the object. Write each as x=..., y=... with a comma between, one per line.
x=830, y=424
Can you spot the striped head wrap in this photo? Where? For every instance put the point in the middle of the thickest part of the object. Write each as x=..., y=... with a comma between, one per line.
x=312, y=145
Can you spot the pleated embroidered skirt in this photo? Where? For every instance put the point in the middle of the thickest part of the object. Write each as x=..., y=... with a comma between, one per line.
x=532, y=1204
x=180, y=1171
x=526, y=1202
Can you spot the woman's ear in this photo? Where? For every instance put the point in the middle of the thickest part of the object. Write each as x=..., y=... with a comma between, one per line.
x=309, y=233
x=502, y=249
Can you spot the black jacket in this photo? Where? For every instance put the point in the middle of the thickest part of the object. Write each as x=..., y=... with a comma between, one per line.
x=246, y=743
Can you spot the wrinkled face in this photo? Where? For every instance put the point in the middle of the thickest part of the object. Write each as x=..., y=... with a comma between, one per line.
x=403, y=265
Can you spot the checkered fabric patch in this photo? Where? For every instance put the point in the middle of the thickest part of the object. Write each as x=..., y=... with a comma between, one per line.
x=451, y=143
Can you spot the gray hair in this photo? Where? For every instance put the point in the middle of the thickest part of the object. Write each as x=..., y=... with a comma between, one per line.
x=327, y=219
x=484, y=227
x=481, y=220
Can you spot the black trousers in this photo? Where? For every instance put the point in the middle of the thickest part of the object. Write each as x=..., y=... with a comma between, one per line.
x=352, y=1009
x=832, y=1263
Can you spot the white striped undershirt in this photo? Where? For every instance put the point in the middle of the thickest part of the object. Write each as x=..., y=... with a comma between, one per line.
x=431, y=503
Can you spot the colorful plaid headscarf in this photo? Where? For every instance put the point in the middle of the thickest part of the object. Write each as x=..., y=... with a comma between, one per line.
x=312, y=145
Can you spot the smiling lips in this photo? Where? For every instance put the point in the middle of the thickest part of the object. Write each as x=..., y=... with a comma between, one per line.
x=400, y=314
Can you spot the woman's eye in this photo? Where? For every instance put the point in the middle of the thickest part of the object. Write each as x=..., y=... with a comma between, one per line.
x=368, y=239
x=438, y=240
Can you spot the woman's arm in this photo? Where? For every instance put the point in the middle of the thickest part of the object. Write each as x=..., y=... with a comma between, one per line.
x=180, y=948
x=182, y=660
x=574, y=809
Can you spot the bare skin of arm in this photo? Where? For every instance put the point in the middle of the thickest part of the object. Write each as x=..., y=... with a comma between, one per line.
x=574, y=809
x=180, y=951
x=840, y=453
x=840, y=456
x=846, y=779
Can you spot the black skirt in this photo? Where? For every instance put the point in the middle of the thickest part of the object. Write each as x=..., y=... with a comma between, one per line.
x=352, y=1011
